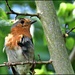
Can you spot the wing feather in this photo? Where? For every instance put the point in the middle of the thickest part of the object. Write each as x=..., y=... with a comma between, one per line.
x=27, y=47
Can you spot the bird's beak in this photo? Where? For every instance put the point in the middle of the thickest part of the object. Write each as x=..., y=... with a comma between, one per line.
x=33, y=21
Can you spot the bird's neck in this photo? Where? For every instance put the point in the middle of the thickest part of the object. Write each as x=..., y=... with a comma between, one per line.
x=21, y=31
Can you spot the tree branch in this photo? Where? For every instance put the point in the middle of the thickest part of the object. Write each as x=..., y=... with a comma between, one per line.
x=56, y=44
x=70, y=30
x=67, y=33
x=24, y=14
x=27, y=62
x=72, y=55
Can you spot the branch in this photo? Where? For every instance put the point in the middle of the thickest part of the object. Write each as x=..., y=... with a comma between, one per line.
x=17, y=14
x=9, y=6
x=27, y=62
x=56, y=44
x=72, y=55
x=67, y=33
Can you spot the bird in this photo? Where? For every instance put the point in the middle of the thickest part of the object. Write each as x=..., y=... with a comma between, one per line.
x=19, y=46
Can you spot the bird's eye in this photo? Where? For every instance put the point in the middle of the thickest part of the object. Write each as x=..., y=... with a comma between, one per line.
x=22, y=22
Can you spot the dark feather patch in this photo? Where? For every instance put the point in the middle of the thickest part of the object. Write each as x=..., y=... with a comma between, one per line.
x=25, y=43
x=14, y=71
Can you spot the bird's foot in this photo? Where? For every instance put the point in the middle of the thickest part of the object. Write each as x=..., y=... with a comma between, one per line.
x=8, y=64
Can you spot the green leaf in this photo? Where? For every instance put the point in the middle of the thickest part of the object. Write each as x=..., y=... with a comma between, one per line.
x=62, y=9
x=69, y=43
x=65, y=8
x=71, y=24
x=3, y=70
x=4, y=30
x=41, y=71
x=4, y=27
x=3, y=14
x=70, y=6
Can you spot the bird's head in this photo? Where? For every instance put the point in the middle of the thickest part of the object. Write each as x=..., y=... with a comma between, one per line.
x=23, y=23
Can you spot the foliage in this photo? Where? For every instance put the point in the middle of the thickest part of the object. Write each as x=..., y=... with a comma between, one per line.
x=4, y=29
x=43, y=70
x=66, y=16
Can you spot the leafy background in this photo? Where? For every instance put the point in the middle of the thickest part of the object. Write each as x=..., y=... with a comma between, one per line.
x=66, y=15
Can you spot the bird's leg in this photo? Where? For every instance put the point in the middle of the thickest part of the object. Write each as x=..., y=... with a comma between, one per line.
x=8, y=64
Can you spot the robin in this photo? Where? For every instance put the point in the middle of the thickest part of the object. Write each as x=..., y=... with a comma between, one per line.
x=19, y=46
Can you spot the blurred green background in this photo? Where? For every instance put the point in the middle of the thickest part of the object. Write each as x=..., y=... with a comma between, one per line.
x=65, y=10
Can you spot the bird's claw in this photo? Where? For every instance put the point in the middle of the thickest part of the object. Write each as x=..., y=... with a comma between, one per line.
x=7, y=64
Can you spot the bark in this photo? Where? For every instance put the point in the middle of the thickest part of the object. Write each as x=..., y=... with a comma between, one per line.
x=56, y=45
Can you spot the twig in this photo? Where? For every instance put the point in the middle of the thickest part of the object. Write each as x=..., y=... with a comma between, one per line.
x=39, y=57
x=27, y=62
x=70, y=30
x=24, y=14
x=9, y=6
x=67, y=33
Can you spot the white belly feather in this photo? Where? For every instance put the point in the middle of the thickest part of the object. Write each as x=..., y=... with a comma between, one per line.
x=17, y=56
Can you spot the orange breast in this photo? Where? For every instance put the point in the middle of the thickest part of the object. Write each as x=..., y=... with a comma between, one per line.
x=16, y=35
x=12, y=41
